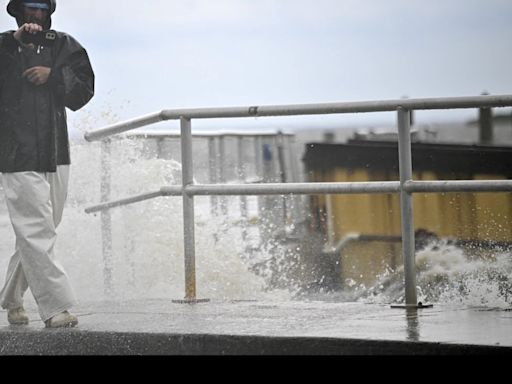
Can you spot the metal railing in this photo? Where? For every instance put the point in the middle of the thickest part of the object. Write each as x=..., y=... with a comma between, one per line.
x=406, y=186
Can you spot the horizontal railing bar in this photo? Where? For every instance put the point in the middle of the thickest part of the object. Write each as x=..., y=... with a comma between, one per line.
x=488, y=101
x=292, y=188
x=124, y=126
x=342, y=107
x=171, y=190
x=121, y=202
x=315, y=188
x=207, y=135
x=458, y=186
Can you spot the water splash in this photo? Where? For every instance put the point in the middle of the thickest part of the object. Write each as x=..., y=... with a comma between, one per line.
x=448, y=274
x=147, y=237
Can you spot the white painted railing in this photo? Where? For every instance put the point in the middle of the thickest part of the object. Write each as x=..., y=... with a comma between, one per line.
x=406, y=186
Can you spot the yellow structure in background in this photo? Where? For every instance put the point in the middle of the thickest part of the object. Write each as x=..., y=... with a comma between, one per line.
x=467, y=217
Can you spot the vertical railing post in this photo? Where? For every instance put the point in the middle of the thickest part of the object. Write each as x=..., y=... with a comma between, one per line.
x=408, y=246
x=222, y=173
x=188, y=209
x=258, y=172
x=212, y=164
x=187, y=167
x=106, y=218
x=296, y=200
x=242, y=176
x=258, y=163
x=282, y=173
x=267, y=212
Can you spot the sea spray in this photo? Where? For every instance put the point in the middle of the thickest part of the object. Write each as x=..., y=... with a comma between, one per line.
x=147, y=237
x=450, y=274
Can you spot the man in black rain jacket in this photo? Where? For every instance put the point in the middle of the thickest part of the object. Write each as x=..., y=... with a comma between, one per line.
x=41, y=73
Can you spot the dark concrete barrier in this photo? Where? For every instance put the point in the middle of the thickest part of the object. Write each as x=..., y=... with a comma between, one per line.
x=75, y=342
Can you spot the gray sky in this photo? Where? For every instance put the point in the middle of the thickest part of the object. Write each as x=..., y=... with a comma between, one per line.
x=156, y=54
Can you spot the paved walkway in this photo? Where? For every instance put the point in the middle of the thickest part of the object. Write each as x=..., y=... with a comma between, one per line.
x=157, y=327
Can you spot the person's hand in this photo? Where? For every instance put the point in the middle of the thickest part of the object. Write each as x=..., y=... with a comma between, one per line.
x=37, y=75
x=31, y=28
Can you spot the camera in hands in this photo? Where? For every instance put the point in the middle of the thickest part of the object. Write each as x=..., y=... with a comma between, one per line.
x=44, y=38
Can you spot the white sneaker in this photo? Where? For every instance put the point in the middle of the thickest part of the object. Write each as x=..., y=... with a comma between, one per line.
x=62, y=320
x=17, y=316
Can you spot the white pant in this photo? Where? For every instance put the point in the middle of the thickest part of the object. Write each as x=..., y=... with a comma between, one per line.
x=35, y=202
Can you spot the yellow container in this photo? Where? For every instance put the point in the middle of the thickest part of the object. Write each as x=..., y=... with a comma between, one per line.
x=480, y=218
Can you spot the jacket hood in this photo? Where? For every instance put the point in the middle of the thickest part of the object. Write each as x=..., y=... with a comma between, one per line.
x=14, y=6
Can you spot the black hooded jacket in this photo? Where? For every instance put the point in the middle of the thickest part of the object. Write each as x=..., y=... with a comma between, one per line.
x=33, y=126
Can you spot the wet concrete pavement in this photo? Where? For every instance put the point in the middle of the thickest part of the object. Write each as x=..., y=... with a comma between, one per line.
x=160, y=326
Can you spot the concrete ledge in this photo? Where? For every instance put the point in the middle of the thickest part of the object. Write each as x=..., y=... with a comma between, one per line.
x=76, y=342
x=161, y=327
